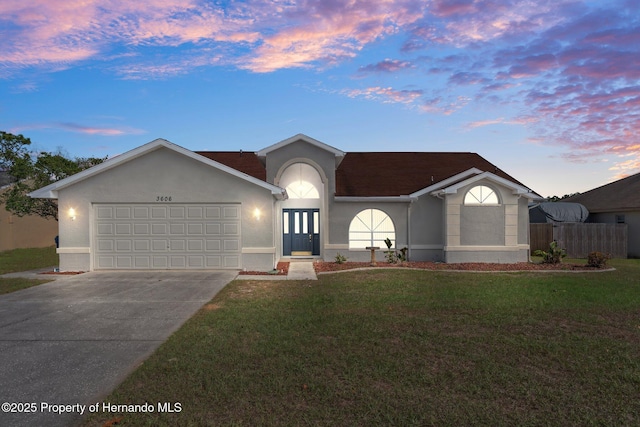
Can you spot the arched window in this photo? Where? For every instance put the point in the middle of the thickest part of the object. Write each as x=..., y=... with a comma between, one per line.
x=370, y=228
x=302, y=190
x=481, y=195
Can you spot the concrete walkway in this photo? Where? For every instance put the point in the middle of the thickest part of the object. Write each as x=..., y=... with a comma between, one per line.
x=298, y=270
x=301, y=270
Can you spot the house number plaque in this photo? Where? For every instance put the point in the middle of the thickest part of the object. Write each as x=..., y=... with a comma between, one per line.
x=163, y=198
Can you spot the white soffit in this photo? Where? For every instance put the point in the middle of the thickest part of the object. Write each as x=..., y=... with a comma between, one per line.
x=516, y=188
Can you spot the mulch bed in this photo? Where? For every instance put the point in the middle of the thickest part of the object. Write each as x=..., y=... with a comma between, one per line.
x=282, y=270
x=471, y=266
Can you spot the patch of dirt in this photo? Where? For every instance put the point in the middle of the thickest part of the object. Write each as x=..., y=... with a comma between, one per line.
x=282, y=270
x=63, y=273
x=470, y=266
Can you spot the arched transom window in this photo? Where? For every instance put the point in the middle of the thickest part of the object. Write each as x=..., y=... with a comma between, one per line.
x=481, y=195
x=302, y=190
x=370, y=228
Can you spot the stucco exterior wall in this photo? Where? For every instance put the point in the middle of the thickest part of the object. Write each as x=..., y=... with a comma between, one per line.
x=342, y=213
x=632, y=219
x=491, y=233
x=165, y=173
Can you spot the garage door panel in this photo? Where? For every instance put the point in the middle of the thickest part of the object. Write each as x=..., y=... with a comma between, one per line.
x=195, y=245
x=141, y=212
x=159, y=212
x=123, y=212
x=124, y=262
x=105, y=229
x=178, y=245
x=212, y=212
x=104, y=212
x=124, y=245
x=231, y=245
x=177, y=229
x=141, y=229
x=177, y=261
x=160, y=262
x=159, y=245
x=195, y=212
x=177, y=212
x=231, y=229
x=123, y=229
x=159, y=229
x=189, y=236
x=213, y=229
x=142, y=262
x=214, y=245
x=141, y=245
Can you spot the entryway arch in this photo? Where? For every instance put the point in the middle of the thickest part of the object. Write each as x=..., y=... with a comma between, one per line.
x=301, y=216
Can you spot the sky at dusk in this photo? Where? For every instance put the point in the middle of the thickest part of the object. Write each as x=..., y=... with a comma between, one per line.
x=548, y=90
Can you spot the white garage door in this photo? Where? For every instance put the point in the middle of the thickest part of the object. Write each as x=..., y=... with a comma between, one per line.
x=166, y=236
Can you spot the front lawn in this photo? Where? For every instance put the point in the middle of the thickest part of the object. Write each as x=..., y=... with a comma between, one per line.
x=23, y=260
x=402, y=347
x=27, y=259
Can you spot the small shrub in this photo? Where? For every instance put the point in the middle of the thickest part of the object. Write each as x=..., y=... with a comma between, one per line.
x=553, y=256
x=393, y=256
x=597, y=259
x=340, y=259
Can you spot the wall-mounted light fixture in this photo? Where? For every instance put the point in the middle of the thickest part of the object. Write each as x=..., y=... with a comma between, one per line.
x=257, y=214
x=72, y=214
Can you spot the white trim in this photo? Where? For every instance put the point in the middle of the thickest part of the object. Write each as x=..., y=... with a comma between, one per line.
x=51, y=190
x=73, y=250
x=259, y=250
x=516, y=188
x=300, y=137
x=445, y=182
x=486, y=248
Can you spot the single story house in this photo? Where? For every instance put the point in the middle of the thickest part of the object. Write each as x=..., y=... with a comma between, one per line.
x=616, y=203
x=161, y=206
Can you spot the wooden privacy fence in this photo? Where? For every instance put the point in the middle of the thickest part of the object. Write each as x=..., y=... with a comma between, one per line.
x=581, y=238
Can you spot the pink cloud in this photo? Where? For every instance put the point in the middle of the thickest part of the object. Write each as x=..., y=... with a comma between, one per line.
x=385, y=94
x=78, y=128
x=270, y=35
x=329, y=31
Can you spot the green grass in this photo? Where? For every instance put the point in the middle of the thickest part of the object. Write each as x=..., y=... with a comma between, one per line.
x=27, y=259
x=24, y=260
x=403, y=348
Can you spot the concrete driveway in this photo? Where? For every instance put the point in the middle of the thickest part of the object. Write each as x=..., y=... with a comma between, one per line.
x=70, y=342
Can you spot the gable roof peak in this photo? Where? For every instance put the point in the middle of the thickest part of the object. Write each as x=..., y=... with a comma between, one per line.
x=300, y=137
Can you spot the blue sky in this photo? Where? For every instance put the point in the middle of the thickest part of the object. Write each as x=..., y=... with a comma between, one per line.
x=548, y=90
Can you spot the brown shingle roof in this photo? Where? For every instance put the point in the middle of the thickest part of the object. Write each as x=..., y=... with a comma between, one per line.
x=621, y=195
x=372, y=174
x=239, y=160
x=395, y=174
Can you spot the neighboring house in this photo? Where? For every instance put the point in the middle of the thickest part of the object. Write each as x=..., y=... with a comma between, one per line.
x=29, y=231
x=616, y=203
x=161, y=206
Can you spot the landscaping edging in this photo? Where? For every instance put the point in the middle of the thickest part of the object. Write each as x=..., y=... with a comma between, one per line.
x=594, y=270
